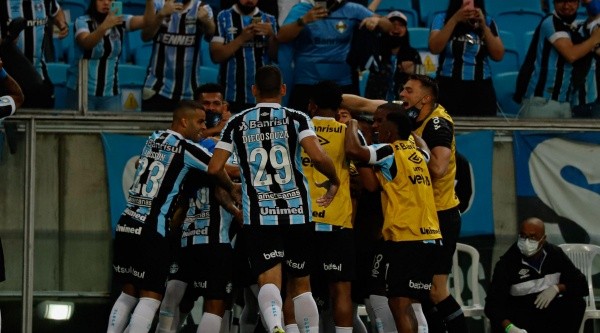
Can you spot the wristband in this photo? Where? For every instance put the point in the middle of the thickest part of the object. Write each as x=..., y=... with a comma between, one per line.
x=508, y=327
x=3, y=74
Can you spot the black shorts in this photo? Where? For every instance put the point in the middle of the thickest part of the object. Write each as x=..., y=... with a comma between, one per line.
x=141, y=256
x=377, y=269
x=207, y=269
x=242, y=276
x=268, y=246
x=450, y=223
x=335, y=257
x=409, y=272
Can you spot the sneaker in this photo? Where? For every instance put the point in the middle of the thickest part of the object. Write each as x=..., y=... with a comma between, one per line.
x=277, y=329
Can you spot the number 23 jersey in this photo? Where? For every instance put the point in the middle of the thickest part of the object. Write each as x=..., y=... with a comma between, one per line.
x=266, y=140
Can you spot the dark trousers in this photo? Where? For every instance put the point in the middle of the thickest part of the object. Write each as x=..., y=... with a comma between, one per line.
x=564, y=314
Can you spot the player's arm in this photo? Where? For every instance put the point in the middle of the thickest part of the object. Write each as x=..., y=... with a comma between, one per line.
x=324, y=165
x=291, y=30
x=573, y=52
x=220, y=52
x=12, y=89
x=358, y=152
x=216, y=168
x=179, y=213
x=439, y=138
x=60, y=22
x=227, y=202
x=358, y=103
x=205, y=17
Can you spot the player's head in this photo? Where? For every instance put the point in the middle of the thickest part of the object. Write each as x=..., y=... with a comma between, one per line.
x=189, y=120
x=396, y=124
x=210, y=95
x=419, y=95
x=269, y=84
x=381, y=112
x=325, y=95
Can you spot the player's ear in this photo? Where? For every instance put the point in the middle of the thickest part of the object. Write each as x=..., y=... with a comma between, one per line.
x=254, y=91
x=283, y=89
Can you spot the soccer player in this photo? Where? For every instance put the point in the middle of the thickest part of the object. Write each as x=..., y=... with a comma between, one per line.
x=411, y=229
x=277, y=210
x=141, y=249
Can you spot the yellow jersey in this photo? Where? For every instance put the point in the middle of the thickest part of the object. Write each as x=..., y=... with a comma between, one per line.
x=438, y=130
x=407, y=199
x=331, y=135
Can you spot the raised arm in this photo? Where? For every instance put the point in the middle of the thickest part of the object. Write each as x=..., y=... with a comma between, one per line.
x=290, y=31
x=88, y=40
x=154, y=19
x=358, y=103
x=573, y=52
x=206, y=19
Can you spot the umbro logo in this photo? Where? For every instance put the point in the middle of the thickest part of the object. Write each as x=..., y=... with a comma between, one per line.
x=524, y=273
x=264, y=114
x=322, y=140
x=243, y=126
x=415, y=158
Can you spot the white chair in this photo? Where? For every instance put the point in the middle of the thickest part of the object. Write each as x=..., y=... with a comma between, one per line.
x=476, y=308
x=582, y=255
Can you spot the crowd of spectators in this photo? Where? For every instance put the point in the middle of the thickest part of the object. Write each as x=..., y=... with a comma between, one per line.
x=356, y=44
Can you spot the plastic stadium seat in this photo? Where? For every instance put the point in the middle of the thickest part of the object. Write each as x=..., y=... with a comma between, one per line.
x=73, y=8
x=505, y=85
x=511, y=62
x=428, y=9
x=411, y=15
x=131, y=81
x=525, y=41
x=134, y=7
x=456, y=281
x=206, y=60
x=390, y=4
x=419, y=38
x=64, y=48
x=494, y=7
x=582, y=256
x=208, y=74
x=362, y=82
x=58, y=74
x=518, y=21
x=142, y=55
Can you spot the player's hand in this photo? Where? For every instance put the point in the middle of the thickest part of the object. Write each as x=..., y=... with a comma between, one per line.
x=545, y=297
x=236, y=194
x=327, y=198
x=247, y=33
x=63, y=30
x=263, y=29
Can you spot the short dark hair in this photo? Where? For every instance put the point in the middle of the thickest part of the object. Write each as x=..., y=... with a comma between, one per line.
x=427, y=82
x=208, y=88
x=326, y=95
x=402, y=122
x=184, y=107
x=268, y=81
x=390, y=107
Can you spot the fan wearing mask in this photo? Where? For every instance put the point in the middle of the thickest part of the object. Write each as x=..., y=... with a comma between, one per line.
x=535, y=286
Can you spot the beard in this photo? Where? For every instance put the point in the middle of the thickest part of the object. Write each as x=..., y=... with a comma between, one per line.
x=246, y=9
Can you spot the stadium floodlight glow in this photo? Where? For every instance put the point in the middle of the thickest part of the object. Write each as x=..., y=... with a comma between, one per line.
x=55, y=310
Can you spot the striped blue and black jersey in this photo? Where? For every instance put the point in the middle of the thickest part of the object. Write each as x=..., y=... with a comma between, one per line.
x=465, y=56
x=266, y=140
x=321, y=49
x=551, y=77
x=31, y=39
x=237, y=73
x=584, y=85
x=172, y=72
x=206, y=222
x=164, y=162
x=103, y=59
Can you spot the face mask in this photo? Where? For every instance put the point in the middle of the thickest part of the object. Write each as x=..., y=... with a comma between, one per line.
x=413, y=113
x=527, y=246
x=212, y=118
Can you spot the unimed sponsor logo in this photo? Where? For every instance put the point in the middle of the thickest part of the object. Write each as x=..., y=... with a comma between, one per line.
x=273, y=255
x=419, y=285
x=129, y=230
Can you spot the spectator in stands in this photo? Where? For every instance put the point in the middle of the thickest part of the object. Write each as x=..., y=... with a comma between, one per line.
x=245, y=41
x=321, y=41
x=393, y=62
x=99, y=36
x=23, y=23
x=11, y=98
x=466, y=39
x=546, y=74
x=535, y=286
x=173, y=69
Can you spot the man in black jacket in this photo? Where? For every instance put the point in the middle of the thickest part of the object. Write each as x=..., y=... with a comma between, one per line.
x=535, y=286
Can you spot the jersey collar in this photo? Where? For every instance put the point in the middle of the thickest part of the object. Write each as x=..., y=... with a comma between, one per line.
x=268, y=105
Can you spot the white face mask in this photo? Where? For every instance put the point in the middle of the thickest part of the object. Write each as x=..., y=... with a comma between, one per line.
x=527, y=246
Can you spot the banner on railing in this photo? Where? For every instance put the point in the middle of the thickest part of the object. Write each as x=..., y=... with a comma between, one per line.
x=121, y=153
x=478, y=148
x=558, y=180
